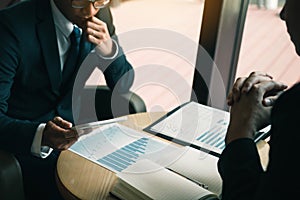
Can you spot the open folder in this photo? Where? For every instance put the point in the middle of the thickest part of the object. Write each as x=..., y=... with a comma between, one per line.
x=196, y=125
x=158, y=183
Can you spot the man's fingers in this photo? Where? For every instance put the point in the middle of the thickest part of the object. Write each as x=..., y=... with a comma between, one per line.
x=271, y=96
x=96, y=33
x=270, y=86
x=253, y=79
x=96, y=25
x=229, y=99
x=236, y=89
x=71, y=134
x=269, y=101
x=64, y=127
x=54, y=127
x=96, y=20
x=66, y=133
x=62, y=123
x=258, y=73
x=56, y=136
x=244, y=85
x=269, y=91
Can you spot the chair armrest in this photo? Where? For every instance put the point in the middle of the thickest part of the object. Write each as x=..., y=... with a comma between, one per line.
x=110, y=105
x=11, y=181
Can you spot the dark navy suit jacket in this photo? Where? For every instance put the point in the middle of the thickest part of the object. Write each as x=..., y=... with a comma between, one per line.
x=30, y=74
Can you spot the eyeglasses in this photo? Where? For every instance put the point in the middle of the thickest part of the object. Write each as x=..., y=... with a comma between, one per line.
x=84, y=3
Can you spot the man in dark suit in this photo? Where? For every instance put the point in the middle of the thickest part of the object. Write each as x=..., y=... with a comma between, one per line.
x=37, y=40
x=251, y=101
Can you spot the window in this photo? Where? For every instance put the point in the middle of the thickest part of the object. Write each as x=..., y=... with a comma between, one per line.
x=155, y=35
x=266, y=46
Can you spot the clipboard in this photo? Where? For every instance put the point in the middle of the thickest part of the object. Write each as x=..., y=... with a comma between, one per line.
x=204, y=127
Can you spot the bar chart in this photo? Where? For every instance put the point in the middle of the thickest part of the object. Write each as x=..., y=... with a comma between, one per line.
x=126, y=156
x=117, y=147
x=215, y=135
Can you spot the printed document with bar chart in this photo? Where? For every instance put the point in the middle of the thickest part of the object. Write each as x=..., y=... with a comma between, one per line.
x=116, y=147
x=122, y=150
x=196, y=125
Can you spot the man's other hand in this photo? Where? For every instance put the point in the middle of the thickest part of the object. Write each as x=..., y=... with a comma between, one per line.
x=58, y=134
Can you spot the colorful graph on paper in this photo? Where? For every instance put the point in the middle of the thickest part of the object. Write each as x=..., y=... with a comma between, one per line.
x=116, y=147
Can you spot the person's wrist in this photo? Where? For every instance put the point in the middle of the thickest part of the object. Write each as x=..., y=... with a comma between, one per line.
x=239, y=130
x=107, y=55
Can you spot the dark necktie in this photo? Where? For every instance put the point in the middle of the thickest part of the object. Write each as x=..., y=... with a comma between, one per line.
x=73, y=54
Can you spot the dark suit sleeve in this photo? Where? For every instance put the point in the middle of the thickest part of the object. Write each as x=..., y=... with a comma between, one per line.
x=240, y=168
x=239, y=164
x=16, y=135
x=118, y=72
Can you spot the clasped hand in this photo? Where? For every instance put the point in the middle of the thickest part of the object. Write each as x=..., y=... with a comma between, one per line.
x=251, y=100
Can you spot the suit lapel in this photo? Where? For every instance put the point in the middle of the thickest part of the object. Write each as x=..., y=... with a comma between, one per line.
x=47, y=36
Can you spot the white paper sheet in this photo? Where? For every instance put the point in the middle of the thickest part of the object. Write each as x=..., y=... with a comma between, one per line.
x=196, y=124
x=116, y=147
x=161, y=184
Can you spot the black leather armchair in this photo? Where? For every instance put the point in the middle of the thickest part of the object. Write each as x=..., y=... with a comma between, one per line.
x=108, y=104
x=11, y=184
x=116, y=105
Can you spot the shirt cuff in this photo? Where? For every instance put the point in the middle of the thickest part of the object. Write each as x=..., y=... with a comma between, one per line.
x=36, y=148
x=115, y=49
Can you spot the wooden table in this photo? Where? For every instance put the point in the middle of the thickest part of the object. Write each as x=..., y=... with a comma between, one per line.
x=79, y=178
